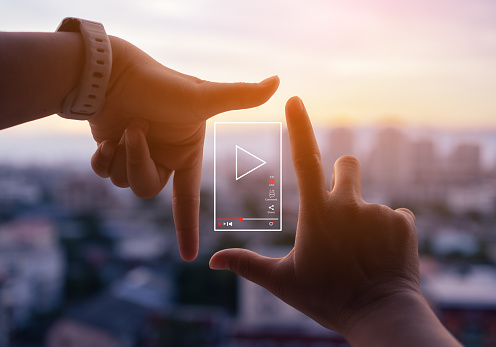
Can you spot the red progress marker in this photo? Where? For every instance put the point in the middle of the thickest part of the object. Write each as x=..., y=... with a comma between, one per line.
x=240, y=219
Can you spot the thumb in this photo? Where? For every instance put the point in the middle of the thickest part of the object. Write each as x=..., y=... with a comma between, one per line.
x=250, y=265
x=222, y=97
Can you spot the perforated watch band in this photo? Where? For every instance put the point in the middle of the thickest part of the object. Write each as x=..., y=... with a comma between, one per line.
x=88, y=98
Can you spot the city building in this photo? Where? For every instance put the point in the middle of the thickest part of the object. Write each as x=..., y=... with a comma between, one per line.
x=465, y=302
x=427, y=184
x=340, y=141
x=118, y=316
x=464, y=164
x=388, y=168
x=31, y=269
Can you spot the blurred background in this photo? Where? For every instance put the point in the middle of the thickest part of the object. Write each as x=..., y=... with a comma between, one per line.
x=407, y=87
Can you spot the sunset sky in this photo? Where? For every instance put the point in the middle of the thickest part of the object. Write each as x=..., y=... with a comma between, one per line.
x=360, y=62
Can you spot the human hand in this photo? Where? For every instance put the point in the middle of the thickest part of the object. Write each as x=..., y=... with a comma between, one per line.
x=163, y=115
x=349, y=257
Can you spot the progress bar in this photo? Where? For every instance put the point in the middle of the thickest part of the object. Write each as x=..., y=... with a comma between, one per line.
x=260, y=218
x=243, y=218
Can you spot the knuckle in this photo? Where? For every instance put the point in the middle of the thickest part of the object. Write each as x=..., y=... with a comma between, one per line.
x=198, y=81
x=181, y=199
x=187, y=230
x=403, y=224
x=384, y=218
x=134, y=158
x=308, y=162
x=377, y=215
x=350, y=208
x=407, y=214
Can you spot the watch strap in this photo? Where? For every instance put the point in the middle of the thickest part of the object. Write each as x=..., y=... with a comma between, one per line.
x=88, y=98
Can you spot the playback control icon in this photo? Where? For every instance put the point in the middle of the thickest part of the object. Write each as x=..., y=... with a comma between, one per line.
x=226, y=224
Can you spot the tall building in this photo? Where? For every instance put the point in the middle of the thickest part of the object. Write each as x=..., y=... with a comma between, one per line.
x=31, y=270
x=427, y=184
x=389, y=165
x=288, y=174
x=289, y=184
x=341, y=141
x=121, y=316
x=464, y=164
x=424, y=162
x=465, y=302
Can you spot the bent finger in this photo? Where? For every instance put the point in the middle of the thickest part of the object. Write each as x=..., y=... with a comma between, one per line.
x=144, y=177
x=220, y=97
x=304, y=151
x=347, y=177
x=102, y=158
x=118, y=170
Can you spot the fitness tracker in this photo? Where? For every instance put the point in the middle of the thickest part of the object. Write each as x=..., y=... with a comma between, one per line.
x=88, y=98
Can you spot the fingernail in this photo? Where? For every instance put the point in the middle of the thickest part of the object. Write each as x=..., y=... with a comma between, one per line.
x=132, y=137
x=269, y=80
x=299, y=103
x=219, y=264
x=108, y=149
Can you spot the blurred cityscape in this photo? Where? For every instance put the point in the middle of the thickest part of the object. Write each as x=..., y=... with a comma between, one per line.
x=83, y=263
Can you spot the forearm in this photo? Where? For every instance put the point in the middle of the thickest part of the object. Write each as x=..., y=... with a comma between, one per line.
x=405, y=321
x=37, y=71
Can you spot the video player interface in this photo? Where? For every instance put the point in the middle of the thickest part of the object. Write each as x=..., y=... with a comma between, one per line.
x=247, y=176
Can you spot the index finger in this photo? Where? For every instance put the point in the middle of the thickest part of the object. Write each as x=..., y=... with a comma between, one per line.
x=304, y=151
x=186, y=209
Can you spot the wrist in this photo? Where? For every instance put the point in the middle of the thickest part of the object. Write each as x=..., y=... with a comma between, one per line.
x=125, y=58
x=119, y=64
x=402, y=319
x=382, y=314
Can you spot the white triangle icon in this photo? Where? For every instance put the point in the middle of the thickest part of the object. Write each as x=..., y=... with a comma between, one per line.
x=241, y=151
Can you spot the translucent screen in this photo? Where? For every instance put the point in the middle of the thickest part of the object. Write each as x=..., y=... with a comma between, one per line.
x=247, y=176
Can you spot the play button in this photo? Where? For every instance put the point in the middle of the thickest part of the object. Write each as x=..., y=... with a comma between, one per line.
x=246, y=162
